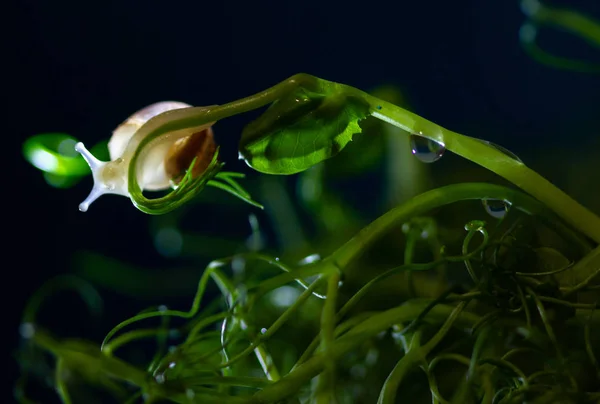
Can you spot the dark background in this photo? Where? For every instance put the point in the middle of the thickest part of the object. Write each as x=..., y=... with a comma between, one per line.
x=82, y=67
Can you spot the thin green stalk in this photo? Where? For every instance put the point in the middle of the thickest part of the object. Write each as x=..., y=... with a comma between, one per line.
x=412, y=357
x=491, y=158
x=292, y=382
x=470, y=148
x=326, y=386
x=438, y=197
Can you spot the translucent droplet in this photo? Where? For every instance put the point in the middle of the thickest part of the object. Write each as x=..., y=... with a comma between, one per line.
x=67, y=148
x=530, y=7
x=27, y=330
x=425, y=149
x=502, y=149
x=496, y=207
x=284, y=296
x=263, y=330
x=238, y=265
x=309, y=259
x=168, y=241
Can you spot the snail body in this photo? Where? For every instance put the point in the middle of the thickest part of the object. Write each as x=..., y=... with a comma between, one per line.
x=162, y=163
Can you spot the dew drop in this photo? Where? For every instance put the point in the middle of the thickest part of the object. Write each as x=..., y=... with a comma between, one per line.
x=309, y=259
x=27, y=330
x=496, y=207
x=284, y=296
x=168, y=241
x=502, y=149
x=263, y=330
x=426, y=150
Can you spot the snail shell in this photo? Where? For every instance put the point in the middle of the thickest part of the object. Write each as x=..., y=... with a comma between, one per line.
x=161, y=164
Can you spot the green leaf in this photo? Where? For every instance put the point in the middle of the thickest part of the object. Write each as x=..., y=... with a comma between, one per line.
x=300, y=130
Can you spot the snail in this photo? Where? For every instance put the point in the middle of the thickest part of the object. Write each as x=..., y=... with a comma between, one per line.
x=163, y=161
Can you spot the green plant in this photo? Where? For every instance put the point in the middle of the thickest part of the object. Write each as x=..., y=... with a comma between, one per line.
x=563, y=19
x=521, y=324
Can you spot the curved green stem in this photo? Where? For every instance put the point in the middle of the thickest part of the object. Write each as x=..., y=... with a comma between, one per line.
x=194, y=117
x=567, y=20
x=412, y=357
x=435, y=198
x=491, y=158
x=292, y=382
x=326, y=386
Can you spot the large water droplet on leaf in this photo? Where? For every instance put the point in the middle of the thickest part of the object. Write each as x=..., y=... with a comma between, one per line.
x=496, y=207
x=425, y=149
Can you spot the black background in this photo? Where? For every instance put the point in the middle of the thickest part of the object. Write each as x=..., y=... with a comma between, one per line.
x=81, y=67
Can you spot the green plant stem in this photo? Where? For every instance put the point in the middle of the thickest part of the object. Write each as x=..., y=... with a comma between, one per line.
x=591, y=260
x=472, y=149
x=413, y=357
x=292, y=382
x=326, y=386
x=59, y=379
x=491, y=158
x=87, y=357
x=577, y=23
x=438, y=197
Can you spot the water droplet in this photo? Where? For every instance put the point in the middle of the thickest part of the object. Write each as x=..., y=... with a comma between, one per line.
x=263, y=330
x=238, y=265
x=425, y=149
x=162, y=308
x=168, y=241
x=27, y=330
x=67, y=148
x=284, y=296
x=530, y=7
x=172, y=365
x=496, y=207
x=502, y=149
x=160, y=378
x=309, y=259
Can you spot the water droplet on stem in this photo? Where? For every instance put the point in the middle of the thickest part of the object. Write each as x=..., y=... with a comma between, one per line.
x=496, y=207
x=502, y=149
x=425, y=149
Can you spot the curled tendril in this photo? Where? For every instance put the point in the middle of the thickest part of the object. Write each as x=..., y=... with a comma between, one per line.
x=473, y=227
x=188, y=188
x=575, y=23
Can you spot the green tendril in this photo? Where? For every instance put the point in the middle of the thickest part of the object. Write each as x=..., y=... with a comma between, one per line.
x=566, y=20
